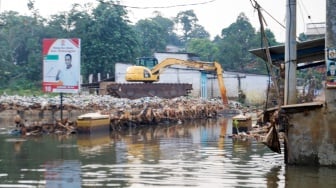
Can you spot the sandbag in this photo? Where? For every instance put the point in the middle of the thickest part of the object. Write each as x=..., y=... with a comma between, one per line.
x=272, y=140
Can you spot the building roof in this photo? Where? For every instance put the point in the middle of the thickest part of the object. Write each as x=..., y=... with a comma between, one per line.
x=309, y=53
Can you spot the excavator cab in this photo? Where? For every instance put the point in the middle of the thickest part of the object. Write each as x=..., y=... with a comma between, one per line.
x=141, y=71
x=148, y=62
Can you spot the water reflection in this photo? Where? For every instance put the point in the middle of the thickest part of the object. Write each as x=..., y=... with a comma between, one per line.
x=63, y=173
x=92, y=145
x=310, y=177
x=193, y=154
x=273, y=177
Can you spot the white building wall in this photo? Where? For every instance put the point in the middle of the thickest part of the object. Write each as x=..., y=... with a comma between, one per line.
x=254, y=86
x=120, y=72
x=316, y=28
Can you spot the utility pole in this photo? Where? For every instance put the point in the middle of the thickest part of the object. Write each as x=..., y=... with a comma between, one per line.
x=290, y=53
x=330, y=53
x=241, y=94
x=239, y=77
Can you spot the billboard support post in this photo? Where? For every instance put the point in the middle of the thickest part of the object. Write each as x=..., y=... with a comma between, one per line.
x=61, y=97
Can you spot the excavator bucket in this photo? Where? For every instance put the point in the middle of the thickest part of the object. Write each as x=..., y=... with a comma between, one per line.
x=139, y=90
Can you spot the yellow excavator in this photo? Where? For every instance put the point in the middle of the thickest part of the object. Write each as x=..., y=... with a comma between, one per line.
x=148, y=70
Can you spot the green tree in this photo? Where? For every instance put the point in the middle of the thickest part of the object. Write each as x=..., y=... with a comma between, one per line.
x=258, y=65
x=303, y=37
x=57, y=27
x=235, y=43
x=257, y=42
x=206, y=49
x=79, y=24
x=199, y=32
x=110, y=39
x=168, y=28
x=21, y=46
x=7, y=57
x=187, y=21
x=152, y=37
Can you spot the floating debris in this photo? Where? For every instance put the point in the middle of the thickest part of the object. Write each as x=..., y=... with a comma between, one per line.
x=60, y=127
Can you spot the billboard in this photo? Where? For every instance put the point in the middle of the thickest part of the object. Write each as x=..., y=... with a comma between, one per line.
x=61, y=65
x=331, y=68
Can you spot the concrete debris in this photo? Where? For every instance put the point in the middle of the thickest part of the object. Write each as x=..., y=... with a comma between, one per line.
x=123, y=112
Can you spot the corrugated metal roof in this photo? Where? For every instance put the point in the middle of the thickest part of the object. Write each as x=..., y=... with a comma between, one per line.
x=309, y=53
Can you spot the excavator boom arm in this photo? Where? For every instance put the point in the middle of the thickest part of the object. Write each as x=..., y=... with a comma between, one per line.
x=221, y=85
x=212, y=67
x=172, y=61
x=141, y=73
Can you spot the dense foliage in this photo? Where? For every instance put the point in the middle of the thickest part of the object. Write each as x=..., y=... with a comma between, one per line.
x=108, y=37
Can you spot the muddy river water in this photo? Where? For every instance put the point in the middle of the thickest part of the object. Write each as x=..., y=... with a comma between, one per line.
x=198, y=153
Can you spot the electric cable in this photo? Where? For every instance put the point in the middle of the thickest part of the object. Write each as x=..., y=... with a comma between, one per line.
x=277, y=21
x=302, y=14
x=309, y=17
x=160, y=7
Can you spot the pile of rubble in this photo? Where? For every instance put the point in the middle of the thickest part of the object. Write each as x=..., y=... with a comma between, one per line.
x=100, y=103
x=60, y=127
x=122, y=112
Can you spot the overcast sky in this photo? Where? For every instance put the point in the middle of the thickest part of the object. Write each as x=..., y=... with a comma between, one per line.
x=213, y=15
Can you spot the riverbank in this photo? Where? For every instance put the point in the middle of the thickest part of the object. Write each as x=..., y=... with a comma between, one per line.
x=31, y=116
x=40, y=110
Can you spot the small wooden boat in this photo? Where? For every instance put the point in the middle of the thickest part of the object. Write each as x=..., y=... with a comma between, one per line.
x=93, y=122
x=241, y=123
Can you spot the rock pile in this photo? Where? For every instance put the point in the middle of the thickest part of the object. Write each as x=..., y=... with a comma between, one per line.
x=151, y=110
x=60, y=127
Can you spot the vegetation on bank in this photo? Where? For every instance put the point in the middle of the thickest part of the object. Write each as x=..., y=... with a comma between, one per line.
x=108, y=36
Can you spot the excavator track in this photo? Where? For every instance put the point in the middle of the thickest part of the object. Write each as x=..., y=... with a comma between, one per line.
x=139, y=90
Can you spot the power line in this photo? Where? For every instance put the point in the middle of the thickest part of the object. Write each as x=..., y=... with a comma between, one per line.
x=273, y=18
x=302, y=15
x=163, y=7
x=308, y=16
x=304, y=8
x=254, y=6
